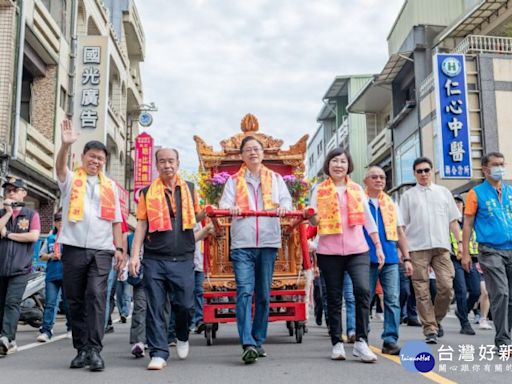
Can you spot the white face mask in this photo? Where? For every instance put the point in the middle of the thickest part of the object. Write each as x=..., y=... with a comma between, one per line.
x=497, y=173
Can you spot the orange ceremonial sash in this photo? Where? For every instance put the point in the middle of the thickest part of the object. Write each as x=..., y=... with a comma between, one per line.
x=328, y=205
x=242, y=191
x=389, y=216
x=77, y=197
x=159, y=217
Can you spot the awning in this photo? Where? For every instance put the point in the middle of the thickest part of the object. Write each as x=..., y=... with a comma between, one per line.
x=394, y=65
x=467, y=24
x=327, y=112
x=339, y=87
x=372, y=98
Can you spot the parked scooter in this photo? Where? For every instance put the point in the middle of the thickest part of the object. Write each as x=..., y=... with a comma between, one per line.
x=32, y=304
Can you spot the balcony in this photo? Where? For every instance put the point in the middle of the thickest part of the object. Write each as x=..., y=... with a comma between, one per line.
x=339, y=138
x=475, y=44
x=379, y=146
x=135, y=40
x=35, y=149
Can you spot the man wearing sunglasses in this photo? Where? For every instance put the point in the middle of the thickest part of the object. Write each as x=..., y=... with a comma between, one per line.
x=19, y=230
x=430, y=213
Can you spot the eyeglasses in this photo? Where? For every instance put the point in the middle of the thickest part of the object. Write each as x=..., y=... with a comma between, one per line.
x=9, y=190
x=377, y=177
x=423, y=170
x=252, y=149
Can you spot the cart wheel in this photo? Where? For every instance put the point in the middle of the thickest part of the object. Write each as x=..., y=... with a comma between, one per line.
x=208, y=333
x=299, y=332
x=289, y=325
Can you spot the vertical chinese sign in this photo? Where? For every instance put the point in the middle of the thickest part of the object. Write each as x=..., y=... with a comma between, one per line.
x=143, y=162
x=452, y=116
x=91, y=100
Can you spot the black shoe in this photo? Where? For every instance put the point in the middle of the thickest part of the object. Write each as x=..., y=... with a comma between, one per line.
x=261, y=352
x=200, y=328
x=81, y=359
x=390, y=349
x=318, y=320
x=96, y=362
x=403, y=319
x=431, y=339
x=250, y=354
x=440, y=330
x=123, y=319
x=467, y=330
x=109, y=329
x=413, y=322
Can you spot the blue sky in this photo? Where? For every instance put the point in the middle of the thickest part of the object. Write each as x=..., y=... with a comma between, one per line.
x=209, y=62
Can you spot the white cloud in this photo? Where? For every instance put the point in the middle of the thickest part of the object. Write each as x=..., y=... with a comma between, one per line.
x=209, y=62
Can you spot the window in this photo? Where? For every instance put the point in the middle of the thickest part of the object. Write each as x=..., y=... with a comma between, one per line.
x=405, y=156
x=63, y=99
x=319, y=148
x=26, y=95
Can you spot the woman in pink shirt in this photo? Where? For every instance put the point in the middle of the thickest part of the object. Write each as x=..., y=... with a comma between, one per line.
x=342, y=211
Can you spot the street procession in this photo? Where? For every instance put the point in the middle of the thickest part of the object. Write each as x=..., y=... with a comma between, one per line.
x=266, y=192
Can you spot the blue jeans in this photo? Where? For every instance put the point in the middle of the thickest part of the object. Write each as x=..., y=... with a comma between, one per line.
x=53, y=290
x=390, y=282
x=407, y=298
x=112, y=278
x=198, y=298
x=350, y=304
x=253, y=269
x=123, y=298
x=465, y=283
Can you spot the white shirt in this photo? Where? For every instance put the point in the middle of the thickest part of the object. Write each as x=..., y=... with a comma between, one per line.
x=427, y=213
x=92, y=231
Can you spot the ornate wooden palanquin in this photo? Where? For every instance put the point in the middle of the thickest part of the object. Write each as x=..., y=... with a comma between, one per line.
x=288, y=267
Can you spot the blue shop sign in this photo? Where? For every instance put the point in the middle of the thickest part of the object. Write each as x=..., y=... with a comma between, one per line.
x=452, y=116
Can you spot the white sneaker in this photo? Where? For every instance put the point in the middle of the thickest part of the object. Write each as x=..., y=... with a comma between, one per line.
x=12, y=347
x=379, y=317
x=43, y=337
x=362, y=351
x=338, y=352
x=182, y=349
x=138, y=350
x=484, y=324
x=156, y=364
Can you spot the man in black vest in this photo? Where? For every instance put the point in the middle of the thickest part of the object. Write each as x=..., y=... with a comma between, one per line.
x=167, y=213
x=19, y=230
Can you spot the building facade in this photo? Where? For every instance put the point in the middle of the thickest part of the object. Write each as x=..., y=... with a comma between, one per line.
x=339, y=128
x=42, y=63
x=399, y=103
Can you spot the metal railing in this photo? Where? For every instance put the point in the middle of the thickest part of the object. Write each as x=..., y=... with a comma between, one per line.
x=484, y=44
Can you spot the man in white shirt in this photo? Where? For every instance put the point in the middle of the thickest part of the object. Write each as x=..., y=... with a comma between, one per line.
x=91, y=236
x=429, y=213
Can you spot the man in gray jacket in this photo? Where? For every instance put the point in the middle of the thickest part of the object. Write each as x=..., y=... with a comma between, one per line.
x=254, y=242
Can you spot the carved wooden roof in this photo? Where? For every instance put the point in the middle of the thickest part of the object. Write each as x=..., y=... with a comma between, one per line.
x=230, y=152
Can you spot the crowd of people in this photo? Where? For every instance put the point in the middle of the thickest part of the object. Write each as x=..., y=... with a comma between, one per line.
x=415, y=256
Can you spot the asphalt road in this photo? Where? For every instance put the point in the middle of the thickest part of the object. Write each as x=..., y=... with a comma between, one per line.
x=287, y=361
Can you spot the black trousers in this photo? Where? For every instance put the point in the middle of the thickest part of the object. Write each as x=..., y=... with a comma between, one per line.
x=85, y=275
x=333, y=268
x=165, y=279
x=11, y=293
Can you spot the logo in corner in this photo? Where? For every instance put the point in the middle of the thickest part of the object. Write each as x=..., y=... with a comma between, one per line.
x=417, y=356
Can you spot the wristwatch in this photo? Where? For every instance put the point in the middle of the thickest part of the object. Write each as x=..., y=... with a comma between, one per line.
x=408, y=259
x=120, y=249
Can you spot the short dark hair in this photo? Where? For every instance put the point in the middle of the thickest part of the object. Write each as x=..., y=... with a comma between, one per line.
x=172, y=149
x=95, y=144
x=249, y=138
x=338, y=152
x=487, y=157
x=420, y=160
